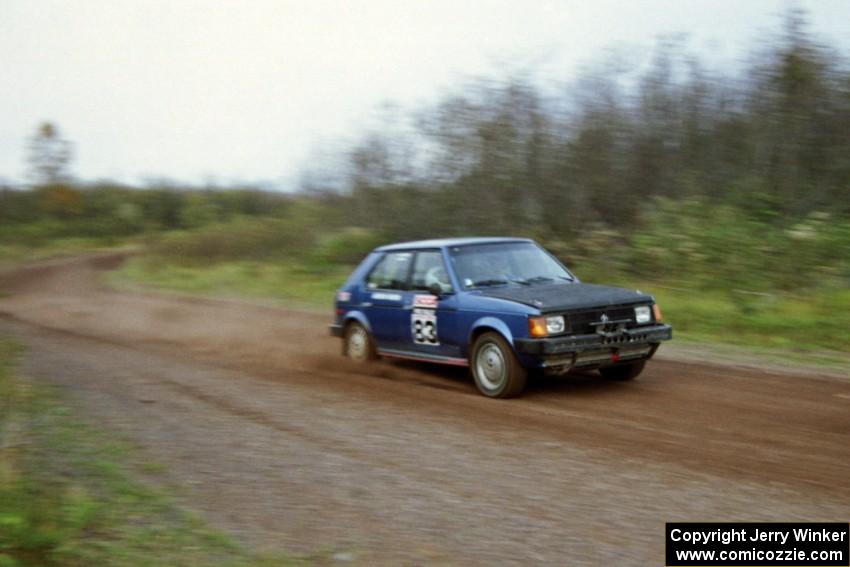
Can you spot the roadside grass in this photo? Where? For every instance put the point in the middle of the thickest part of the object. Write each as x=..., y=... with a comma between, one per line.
x=817, y=321
x=73, y=495
x=290, y=281
x=805, y=323
x=12, y=254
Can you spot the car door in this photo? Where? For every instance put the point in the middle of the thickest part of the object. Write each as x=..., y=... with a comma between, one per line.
x=386, y=287
x=431, y=318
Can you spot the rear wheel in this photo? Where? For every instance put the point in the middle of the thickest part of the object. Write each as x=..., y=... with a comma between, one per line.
x=358, y=345
x=497, y=372
x=622, y=372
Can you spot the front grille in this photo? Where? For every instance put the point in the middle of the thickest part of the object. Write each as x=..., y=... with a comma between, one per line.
x=580, y=321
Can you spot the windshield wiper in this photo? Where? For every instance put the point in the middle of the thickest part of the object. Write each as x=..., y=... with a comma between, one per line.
x=486, y=283
x=535, y=279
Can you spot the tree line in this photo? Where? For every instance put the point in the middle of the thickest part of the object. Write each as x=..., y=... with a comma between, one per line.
x=772, y=138
x=661, y=169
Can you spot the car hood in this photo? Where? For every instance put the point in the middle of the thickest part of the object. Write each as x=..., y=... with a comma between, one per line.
x=568, y=296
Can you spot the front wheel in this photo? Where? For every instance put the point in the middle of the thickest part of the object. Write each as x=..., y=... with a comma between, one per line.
x=622, y=372
x=357, y=344
x=495, y=368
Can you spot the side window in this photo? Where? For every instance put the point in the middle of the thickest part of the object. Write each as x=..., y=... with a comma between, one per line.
x=391, y=272
x=429, y=269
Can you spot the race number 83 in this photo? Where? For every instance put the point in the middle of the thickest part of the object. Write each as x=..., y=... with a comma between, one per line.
x=424, y=327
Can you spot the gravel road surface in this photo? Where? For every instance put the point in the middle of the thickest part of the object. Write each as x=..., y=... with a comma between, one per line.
x=271, y=435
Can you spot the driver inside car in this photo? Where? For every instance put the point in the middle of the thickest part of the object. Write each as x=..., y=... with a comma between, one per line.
x=437, y=276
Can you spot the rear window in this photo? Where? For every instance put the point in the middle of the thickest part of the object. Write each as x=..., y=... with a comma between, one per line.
x=391, y=272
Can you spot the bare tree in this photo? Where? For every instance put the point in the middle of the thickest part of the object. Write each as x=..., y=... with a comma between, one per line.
x=49, y=156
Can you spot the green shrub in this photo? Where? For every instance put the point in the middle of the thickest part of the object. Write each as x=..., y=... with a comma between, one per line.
x=242, y=239
x=724, y=247
x=348, y=247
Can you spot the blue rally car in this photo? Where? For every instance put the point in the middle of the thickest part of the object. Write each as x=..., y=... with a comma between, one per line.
x=502, y=306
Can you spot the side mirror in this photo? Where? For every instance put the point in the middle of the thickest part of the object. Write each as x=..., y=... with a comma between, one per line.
x=436, y=289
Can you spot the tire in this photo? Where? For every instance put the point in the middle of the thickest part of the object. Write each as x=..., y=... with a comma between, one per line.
x=622, y=372
x=357, y=344
x=495, y=368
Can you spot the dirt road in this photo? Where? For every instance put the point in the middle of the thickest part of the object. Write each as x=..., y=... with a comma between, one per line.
x=273, y=437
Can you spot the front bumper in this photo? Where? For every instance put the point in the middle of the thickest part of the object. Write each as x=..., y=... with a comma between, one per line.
x=595, y=349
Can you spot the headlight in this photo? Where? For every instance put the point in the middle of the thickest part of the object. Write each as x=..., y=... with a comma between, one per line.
x=555, y=324
x=545, y=326
x=643, y=314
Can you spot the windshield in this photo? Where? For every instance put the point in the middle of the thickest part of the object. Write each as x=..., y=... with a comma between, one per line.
x=506, y=263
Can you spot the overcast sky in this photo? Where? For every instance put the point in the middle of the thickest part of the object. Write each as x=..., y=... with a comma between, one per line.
x=227, y=90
